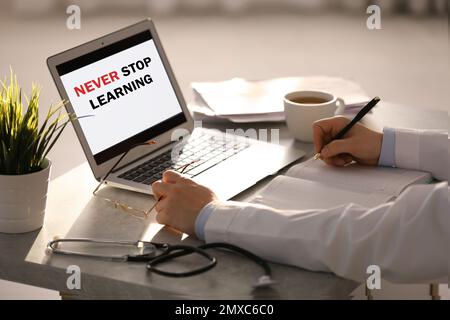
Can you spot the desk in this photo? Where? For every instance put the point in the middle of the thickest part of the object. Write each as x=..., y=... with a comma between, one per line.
x=72, y=211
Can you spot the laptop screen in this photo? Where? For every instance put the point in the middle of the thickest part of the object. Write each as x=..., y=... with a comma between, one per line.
x=126, y=92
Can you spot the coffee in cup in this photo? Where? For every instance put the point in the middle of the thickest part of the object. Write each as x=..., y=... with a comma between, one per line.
x=303, y=108
x=309, y=100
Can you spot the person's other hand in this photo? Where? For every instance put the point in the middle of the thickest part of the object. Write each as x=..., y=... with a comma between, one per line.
x=181, y=201
x=360, y=144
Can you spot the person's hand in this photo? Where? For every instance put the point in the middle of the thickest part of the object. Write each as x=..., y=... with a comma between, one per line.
x=181, y=201
x=360, y=144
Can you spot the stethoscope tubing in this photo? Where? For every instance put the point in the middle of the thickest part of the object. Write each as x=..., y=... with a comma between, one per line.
x=247, y=254
x=179, y=251
x=52, y=247
x=169, y=252
x=185, y=250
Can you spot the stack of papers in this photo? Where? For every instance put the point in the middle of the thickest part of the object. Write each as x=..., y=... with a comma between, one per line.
x=240, y=100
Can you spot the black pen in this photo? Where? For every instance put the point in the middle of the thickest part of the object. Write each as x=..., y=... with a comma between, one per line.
x=372, y=103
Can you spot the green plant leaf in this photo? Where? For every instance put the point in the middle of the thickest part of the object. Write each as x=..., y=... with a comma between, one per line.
x=24, y=144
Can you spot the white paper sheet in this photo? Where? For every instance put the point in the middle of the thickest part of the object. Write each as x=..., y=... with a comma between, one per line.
x=242, y=97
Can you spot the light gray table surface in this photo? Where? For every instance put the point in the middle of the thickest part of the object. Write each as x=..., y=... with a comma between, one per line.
x=72, y=211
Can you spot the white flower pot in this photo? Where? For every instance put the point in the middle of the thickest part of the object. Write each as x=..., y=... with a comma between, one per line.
x=23, y=199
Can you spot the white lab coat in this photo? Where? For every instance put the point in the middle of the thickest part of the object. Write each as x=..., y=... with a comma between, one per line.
x=408, y=239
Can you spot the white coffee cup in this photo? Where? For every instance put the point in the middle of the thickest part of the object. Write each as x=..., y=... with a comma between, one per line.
x=303, y=108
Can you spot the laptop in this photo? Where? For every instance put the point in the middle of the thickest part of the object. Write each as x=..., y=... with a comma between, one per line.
x=122, y=92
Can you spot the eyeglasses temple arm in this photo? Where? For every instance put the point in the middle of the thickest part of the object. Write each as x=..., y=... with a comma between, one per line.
x=119, y=160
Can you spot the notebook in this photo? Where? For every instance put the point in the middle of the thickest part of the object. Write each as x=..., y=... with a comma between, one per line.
x=314, y=185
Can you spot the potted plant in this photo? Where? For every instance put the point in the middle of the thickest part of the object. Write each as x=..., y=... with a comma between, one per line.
x=24, y=166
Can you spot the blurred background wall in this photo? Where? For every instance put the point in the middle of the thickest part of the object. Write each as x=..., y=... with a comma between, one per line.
x=168, y=7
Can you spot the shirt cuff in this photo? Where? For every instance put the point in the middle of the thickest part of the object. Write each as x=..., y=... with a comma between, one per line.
x=387, y=155
x=200, y=222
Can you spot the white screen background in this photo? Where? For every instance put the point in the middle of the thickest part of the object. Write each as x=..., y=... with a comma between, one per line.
x=129, y=114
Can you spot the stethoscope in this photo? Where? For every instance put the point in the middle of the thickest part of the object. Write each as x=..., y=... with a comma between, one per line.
x=155, y=253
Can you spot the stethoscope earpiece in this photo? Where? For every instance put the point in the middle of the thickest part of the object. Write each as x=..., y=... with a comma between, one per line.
x=53, y=245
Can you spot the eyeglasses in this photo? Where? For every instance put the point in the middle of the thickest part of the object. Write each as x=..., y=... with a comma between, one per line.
x=129, y=209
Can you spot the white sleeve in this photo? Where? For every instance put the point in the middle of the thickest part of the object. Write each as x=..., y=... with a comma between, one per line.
x=407, y=239
x=425, y=150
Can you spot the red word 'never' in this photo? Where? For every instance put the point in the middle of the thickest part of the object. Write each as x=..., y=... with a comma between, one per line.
x=96, y=83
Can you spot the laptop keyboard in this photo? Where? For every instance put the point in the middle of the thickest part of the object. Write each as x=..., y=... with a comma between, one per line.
x=206, y=150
